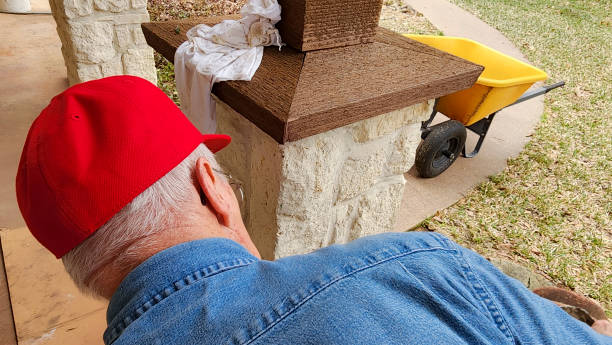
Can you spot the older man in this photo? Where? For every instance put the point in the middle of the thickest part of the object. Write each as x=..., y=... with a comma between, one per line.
x=116, y=181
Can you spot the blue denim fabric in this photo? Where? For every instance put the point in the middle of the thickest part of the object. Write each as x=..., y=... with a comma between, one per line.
x=404, y=288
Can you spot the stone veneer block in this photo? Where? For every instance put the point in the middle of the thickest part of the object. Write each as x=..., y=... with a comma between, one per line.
x=88, y=71
x=102, y=38
x=328, y=188
x=115, y=6
x=90, y=41
x=139, y=3
x=76, y=8
x=112, y=67
x=137, y=62
x=362, y=169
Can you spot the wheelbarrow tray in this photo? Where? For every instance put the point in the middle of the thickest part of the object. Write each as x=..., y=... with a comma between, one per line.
x=502, y=82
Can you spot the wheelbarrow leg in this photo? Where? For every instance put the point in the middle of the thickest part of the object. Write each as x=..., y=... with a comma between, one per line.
x=440, y=146
x=481, y=128
x=425, y=129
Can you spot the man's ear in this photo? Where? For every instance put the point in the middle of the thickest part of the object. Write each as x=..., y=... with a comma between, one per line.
x=215, y=190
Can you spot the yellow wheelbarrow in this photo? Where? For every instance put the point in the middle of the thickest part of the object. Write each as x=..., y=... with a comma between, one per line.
x=503, y=83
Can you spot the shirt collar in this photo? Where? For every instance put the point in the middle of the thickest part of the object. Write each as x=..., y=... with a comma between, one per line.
x=170, y=266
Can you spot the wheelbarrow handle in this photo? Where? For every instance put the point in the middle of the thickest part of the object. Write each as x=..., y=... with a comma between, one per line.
x=537, y=92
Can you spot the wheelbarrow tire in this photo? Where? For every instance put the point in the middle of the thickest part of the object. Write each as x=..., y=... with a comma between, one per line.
x=439, y=150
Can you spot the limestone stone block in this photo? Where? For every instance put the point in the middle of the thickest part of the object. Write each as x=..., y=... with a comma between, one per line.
x=296, y=236
x=378, y=208
x=140, y=62
x=309, y=171
x=137, y=36
x=124, y=36
x=265, y=160
x=93, y=47
x=72, y=75
x=128, y=17
x=255, y=160
x=139, y=3
x=236, y=156
x=529, y=278
x=92, y=41
x=377, y=126
x=324, y=189
x=361, y=170
x=129, y=36
x=112, y=67
x=346, y=215
x=403, y=149
x=76, y=8
x=307, y=183
x=87, y=72
x=111, y=5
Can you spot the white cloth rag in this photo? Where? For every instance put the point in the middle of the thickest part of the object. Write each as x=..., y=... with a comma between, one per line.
x=230, y=50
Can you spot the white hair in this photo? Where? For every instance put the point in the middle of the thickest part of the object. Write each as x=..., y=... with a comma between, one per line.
x=157, y=208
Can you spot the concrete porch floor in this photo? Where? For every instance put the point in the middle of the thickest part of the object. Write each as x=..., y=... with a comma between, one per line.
x=33, y=72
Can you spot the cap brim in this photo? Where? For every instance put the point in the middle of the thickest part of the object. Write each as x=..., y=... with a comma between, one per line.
x=216, y=142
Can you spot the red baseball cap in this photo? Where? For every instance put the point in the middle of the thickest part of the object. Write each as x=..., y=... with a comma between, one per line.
x=93, y=149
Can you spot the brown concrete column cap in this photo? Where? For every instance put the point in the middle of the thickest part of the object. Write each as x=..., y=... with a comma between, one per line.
x=296, y=94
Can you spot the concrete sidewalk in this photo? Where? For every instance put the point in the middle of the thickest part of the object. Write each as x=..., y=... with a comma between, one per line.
x=508, y=134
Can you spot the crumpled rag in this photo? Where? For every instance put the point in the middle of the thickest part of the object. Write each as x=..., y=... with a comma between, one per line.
x=230, y=50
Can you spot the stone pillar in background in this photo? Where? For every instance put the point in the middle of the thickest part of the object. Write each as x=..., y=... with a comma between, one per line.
x=329, y=188
x=101, y=38
x=15, y=6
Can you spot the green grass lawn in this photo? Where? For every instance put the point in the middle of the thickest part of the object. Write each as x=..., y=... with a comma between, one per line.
x=551, y=209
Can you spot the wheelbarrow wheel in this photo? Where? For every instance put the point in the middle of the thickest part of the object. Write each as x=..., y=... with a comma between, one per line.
x=440, y=148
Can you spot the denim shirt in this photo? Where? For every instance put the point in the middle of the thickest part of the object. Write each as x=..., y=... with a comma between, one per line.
x=404, y=288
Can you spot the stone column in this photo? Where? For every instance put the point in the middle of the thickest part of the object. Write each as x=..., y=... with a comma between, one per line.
x=15, y=6
x=325, y=130
x=101, y=38
x=329, y=188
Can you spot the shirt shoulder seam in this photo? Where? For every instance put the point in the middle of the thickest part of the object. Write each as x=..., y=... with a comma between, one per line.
x=489, y=302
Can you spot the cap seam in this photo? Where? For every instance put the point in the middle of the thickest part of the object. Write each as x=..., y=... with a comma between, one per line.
x=65, y=213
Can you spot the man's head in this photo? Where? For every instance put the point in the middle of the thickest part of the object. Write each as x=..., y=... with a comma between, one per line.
x=112, y=172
